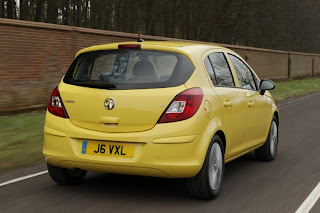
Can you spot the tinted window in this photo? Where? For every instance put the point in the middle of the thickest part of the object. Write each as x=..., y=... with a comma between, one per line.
x=244, y=74
x=210, y=70
x=222, y=73
x=129, y=69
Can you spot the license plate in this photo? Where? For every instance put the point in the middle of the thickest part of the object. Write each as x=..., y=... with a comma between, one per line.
x=108, y=149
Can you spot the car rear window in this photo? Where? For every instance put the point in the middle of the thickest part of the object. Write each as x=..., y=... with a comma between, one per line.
x=129, y=69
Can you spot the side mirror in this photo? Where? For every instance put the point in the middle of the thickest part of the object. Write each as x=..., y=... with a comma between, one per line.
x=266, y=85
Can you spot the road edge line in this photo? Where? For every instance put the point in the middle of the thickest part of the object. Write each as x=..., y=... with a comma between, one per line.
x=309, y=202
x=293, y=100
x=23, y=178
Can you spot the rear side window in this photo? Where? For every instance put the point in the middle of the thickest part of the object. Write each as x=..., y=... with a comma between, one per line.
x=210, y=70
x=221, y=71
x=129, y=69
x=244, y=74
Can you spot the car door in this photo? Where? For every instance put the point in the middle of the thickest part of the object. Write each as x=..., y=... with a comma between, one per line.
x=232, y=102
x=257, y=122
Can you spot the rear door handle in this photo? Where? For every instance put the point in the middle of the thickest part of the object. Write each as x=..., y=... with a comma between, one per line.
x=227, y=104
x=250, y=104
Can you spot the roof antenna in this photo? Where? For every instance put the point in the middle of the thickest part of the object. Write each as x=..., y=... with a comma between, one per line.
x=139, y=37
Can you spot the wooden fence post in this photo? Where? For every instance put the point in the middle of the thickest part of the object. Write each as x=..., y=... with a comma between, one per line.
x=289, y=66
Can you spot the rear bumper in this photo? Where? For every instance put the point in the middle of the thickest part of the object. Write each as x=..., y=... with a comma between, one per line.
x=174, y=150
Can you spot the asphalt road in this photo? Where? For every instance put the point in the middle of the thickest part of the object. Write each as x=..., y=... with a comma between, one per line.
x=249, y=185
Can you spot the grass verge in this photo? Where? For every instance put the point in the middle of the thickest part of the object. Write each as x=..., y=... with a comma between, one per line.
x=21, y=135
x=21, y=139
x=291, y=89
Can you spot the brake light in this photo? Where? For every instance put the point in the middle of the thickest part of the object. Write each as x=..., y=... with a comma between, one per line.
x=56, y=106
x=183, y=106
x=129, y=46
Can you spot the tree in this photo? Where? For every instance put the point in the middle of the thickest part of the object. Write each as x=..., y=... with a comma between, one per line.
x=39, y=10
x=2, y=11
x=286, y=24
x=11, y=9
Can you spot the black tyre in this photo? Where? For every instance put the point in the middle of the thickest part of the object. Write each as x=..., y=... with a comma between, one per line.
x=268, y=151
x=66, y=176
x=207, y=183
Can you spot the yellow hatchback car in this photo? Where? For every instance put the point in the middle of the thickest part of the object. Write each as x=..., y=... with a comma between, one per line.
x=162, y=109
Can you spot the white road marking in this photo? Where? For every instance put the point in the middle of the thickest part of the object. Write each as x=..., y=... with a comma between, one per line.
x=23, y=178
x=307, y=205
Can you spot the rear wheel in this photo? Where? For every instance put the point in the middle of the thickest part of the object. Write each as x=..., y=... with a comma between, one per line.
x=65, y=176
x=268, y=151
x=207, y=183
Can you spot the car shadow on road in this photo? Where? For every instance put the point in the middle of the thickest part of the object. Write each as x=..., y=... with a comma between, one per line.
x=126, y=186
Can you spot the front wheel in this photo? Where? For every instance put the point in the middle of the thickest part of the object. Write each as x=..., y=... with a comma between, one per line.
x=207, y=183
x=65, y=176
x=268, y=151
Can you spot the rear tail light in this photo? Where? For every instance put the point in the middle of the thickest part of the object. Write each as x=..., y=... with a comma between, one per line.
x=56, y=105
x=183, y=106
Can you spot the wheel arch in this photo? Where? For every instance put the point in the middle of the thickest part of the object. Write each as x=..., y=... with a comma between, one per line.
x=222, y=136
x=276, y=114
